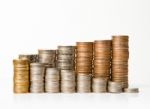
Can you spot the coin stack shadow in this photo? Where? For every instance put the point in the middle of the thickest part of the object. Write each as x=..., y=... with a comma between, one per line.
x=37, y=77
x=120, y=55
x=65, y=62
x=52, y=78
x=84, y=59
x=21, y=76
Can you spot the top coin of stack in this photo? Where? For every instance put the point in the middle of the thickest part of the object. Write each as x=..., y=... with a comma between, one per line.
x=65, y=57
x=84, y=57
x=21, y=76
x=102, y=58
x=120, y=55
x=47, y=57
x=31, y=57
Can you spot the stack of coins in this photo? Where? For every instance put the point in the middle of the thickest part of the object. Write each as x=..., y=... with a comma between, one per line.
x=84, y=57
x=31, y=57
x=83, y=83
x=52, y=78
x=37, y=77
x=65, y=59
x=102, y=58
x=115, y=87
x=120, y=55
x=65, y=62
x=21, y=76
x=68, y=81
x=99, y=85
x=47, y=57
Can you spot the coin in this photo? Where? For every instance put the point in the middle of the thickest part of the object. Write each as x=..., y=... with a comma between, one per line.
x=115, y=87
x=47, y=57
x=83, y=83
x=102, y=58
x=131, y=90
x=66, y=55
x=52, y=78
x=84, y=57
x=21, y=76
x=69, y=50
x=37, y=71
x=99, y=85
x=68, y=83
x=31, y=57
x=120, y=56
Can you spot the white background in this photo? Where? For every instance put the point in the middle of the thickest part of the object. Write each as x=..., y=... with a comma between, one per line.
x=27, y=25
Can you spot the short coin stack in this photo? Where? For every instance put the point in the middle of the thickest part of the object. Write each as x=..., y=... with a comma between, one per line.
x=31, y=57
x=131, y=90
x=102, y=58
x=21, y=76
x=99, y=85
x=120, y=55
x=65, y=62
x=37, y=77
x=84, y=59
x=84, y=83
x=47, y=57
x=115, y=87
x=68, y=81
x=52, y=78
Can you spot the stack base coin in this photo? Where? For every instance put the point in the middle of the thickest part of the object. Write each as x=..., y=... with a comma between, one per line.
x=99, y=85
x=52, y=80
x=67, y=81
x=115, y=87
x=37, y=77
x=83, y=83
x=131, y=90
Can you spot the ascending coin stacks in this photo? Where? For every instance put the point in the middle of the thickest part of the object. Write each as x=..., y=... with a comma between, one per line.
x=100, y=66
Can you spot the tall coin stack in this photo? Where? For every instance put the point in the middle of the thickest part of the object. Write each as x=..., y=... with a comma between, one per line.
x=120, y=55
x=84, y=59
x=37, y=77
x=99, y=85
x=52, y=78
x=31, y=57
x=102, y=58
x=21, y=76
x=65, y=62
x=47, y=57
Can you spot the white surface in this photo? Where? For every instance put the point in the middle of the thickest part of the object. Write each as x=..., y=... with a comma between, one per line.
x=27, y=25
